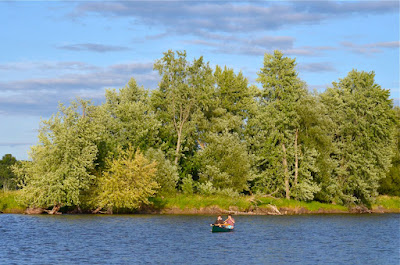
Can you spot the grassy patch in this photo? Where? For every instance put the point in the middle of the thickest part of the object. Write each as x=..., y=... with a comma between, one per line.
x=195, y=201
x=243, y=203
x=388, y=202
x=312, y=206
x=9, y=202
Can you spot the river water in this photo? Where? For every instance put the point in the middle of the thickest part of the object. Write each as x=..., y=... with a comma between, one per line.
x=182, y=239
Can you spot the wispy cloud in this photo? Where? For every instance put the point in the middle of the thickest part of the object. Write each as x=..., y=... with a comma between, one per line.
x=347, y=7
x=40, y=95
x=92, y=47
x=230, y=44
x=237, y=17
x=370, y=48
x=316, y=67
x=13, y=144
x=47, y=66
x=230, y=27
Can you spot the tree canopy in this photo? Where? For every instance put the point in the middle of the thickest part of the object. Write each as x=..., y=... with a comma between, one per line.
x=7, y=177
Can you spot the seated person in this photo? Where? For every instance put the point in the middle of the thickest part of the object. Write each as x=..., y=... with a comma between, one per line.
x=230, y=222
x=219, y=221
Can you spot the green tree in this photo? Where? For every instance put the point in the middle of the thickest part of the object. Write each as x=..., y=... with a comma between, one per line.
x=229, y=107
x=363, y=135
x=130, y=119
x=225, y=162
x=391, y=183
x=63, y=162
x=315, y=147
x=167, y=173
x=182, y=92
x=7, y=176
x=236, y=97
x=276, y=126
x=128, y=182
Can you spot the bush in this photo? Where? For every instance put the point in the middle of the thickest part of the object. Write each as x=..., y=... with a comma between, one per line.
x=166, y=175
x=206, y=188
x=187, y=185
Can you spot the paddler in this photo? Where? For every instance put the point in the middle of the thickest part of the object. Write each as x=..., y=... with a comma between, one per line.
x=230, y=222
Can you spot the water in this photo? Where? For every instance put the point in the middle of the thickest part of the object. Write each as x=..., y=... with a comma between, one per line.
x=160, y=239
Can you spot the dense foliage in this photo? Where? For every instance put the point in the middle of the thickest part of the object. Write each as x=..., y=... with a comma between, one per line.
x=7, y=176
x=209, y=132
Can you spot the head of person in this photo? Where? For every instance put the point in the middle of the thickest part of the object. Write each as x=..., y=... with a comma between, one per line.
x=219, y=217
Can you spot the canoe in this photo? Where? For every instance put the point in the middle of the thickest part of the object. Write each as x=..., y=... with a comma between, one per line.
x=216, y=228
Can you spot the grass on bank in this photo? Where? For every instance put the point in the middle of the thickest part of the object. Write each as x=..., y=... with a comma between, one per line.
x=195, y=201
x=312, y=206
x=243, y=203
x=9, y=202
x=388, y=202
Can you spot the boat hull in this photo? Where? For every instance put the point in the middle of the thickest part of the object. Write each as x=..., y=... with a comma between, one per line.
x=216, y=228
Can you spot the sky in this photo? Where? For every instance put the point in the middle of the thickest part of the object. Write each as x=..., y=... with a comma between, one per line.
x=56, y=51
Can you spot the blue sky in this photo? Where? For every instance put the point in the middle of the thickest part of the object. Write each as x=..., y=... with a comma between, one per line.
x=56, y=51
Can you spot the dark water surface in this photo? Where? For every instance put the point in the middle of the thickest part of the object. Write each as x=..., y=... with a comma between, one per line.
x=161, y=239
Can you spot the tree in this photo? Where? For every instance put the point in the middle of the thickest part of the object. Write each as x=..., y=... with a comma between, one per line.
x=62, y=163
x=167, y=173
x=128, y=182
x=277, y=116
x=7, y=177
x=391, y=183
x=130, y=119
x=363, y=135
x=235, y=96
x=315, y=147
x=225, y=162
x=183, y=88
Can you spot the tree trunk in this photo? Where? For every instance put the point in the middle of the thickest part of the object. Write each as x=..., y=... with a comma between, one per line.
x=296, y=161
x=97, y=210
x=286, y=172
x=55, y=209
x=178, y=147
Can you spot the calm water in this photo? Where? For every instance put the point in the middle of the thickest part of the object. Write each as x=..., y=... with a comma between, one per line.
x=146, y=239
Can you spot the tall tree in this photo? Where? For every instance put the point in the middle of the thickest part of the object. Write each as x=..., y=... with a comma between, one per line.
x=314, y=148
x=181, y=94
x=228, y=108
x=282, y=90
x=63, y=161
x=363, y=135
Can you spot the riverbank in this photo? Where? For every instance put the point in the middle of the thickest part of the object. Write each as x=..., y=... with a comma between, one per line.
x=241, y=205
x=252, y=205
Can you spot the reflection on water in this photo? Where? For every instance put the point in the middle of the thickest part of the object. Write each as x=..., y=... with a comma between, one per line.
x=180, y=239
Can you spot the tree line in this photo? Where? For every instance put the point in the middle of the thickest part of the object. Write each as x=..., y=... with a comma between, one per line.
x=208, y=131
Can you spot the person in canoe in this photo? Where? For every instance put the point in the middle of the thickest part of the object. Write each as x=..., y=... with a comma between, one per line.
x=230, y=222
x=219, y=221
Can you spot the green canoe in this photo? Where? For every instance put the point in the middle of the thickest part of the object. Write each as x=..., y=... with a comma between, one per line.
x=216, y=228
